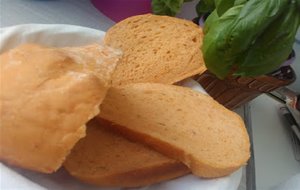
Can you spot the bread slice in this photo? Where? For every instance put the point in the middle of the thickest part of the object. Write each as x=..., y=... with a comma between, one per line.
x=106, y=158
x=181, y=123
x=46, y=97
x=156, y=48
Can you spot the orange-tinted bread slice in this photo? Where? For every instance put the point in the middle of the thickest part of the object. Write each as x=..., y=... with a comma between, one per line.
x=106, y=158
x=181, y=123
x=156, y=48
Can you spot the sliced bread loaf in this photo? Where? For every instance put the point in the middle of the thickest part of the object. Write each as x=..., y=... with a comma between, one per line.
x=105, y=158
x=156, y=48
x=181, y=123
x=46, y=97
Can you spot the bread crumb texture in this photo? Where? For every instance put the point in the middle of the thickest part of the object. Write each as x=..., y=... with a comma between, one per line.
x=104, y=157
x=156, y=48
x=181, y=123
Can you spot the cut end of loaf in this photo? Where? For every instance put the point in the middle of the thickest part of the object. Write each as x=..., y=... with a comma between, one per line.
x=105, y=158
x=181, y=123
x=156, y=48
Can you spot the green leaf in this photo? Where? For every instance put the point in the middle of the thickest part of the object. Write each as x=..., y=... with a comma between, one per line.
x=214, y=44
x=226, y=44
x=273, y=47
x=212, y=18
x=239, y=2
x=205, y=6
x=223, y=5
x=166, y=7
x=253, y=19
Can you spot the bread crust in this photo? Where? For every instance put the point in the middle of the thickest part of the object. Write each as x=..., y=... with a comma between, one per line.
x=120, y=162
x=46, y=98
x=138, y=178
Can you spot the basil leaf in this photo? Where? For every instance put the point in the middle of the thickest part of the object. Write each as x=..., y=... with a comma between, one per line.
x=227, y=43
x=205, y=6
x=215, y=48
x=223, y=5
x=239, y=2
x=166, y=7
x=273, y=47
x=213, y=17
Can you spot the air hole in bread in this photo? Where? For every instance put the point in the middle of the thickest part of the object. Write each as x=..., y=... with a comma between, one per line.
x=160, y=31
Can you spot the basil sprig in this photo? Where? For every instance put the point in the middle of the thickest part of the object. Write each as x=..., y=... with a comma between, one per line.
x=250, y=38
x=167, y=7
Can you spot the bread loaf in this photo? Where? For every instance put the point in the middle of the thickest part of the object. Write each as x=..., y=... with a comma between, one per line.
x=156, y=48
x=181, y=123
x=105, y=158
x=46, y=97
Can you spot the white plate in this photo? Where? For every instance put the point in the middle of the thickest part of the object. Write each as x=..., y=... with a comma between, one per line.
x=67, y=35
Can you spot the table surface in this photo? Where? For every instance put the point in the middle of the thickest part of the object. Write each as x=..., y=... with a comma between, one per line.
x=274, y=159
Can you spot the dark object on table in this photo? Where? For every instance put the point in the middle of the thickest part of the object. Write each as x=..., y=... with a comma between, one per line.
x=234, y=92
